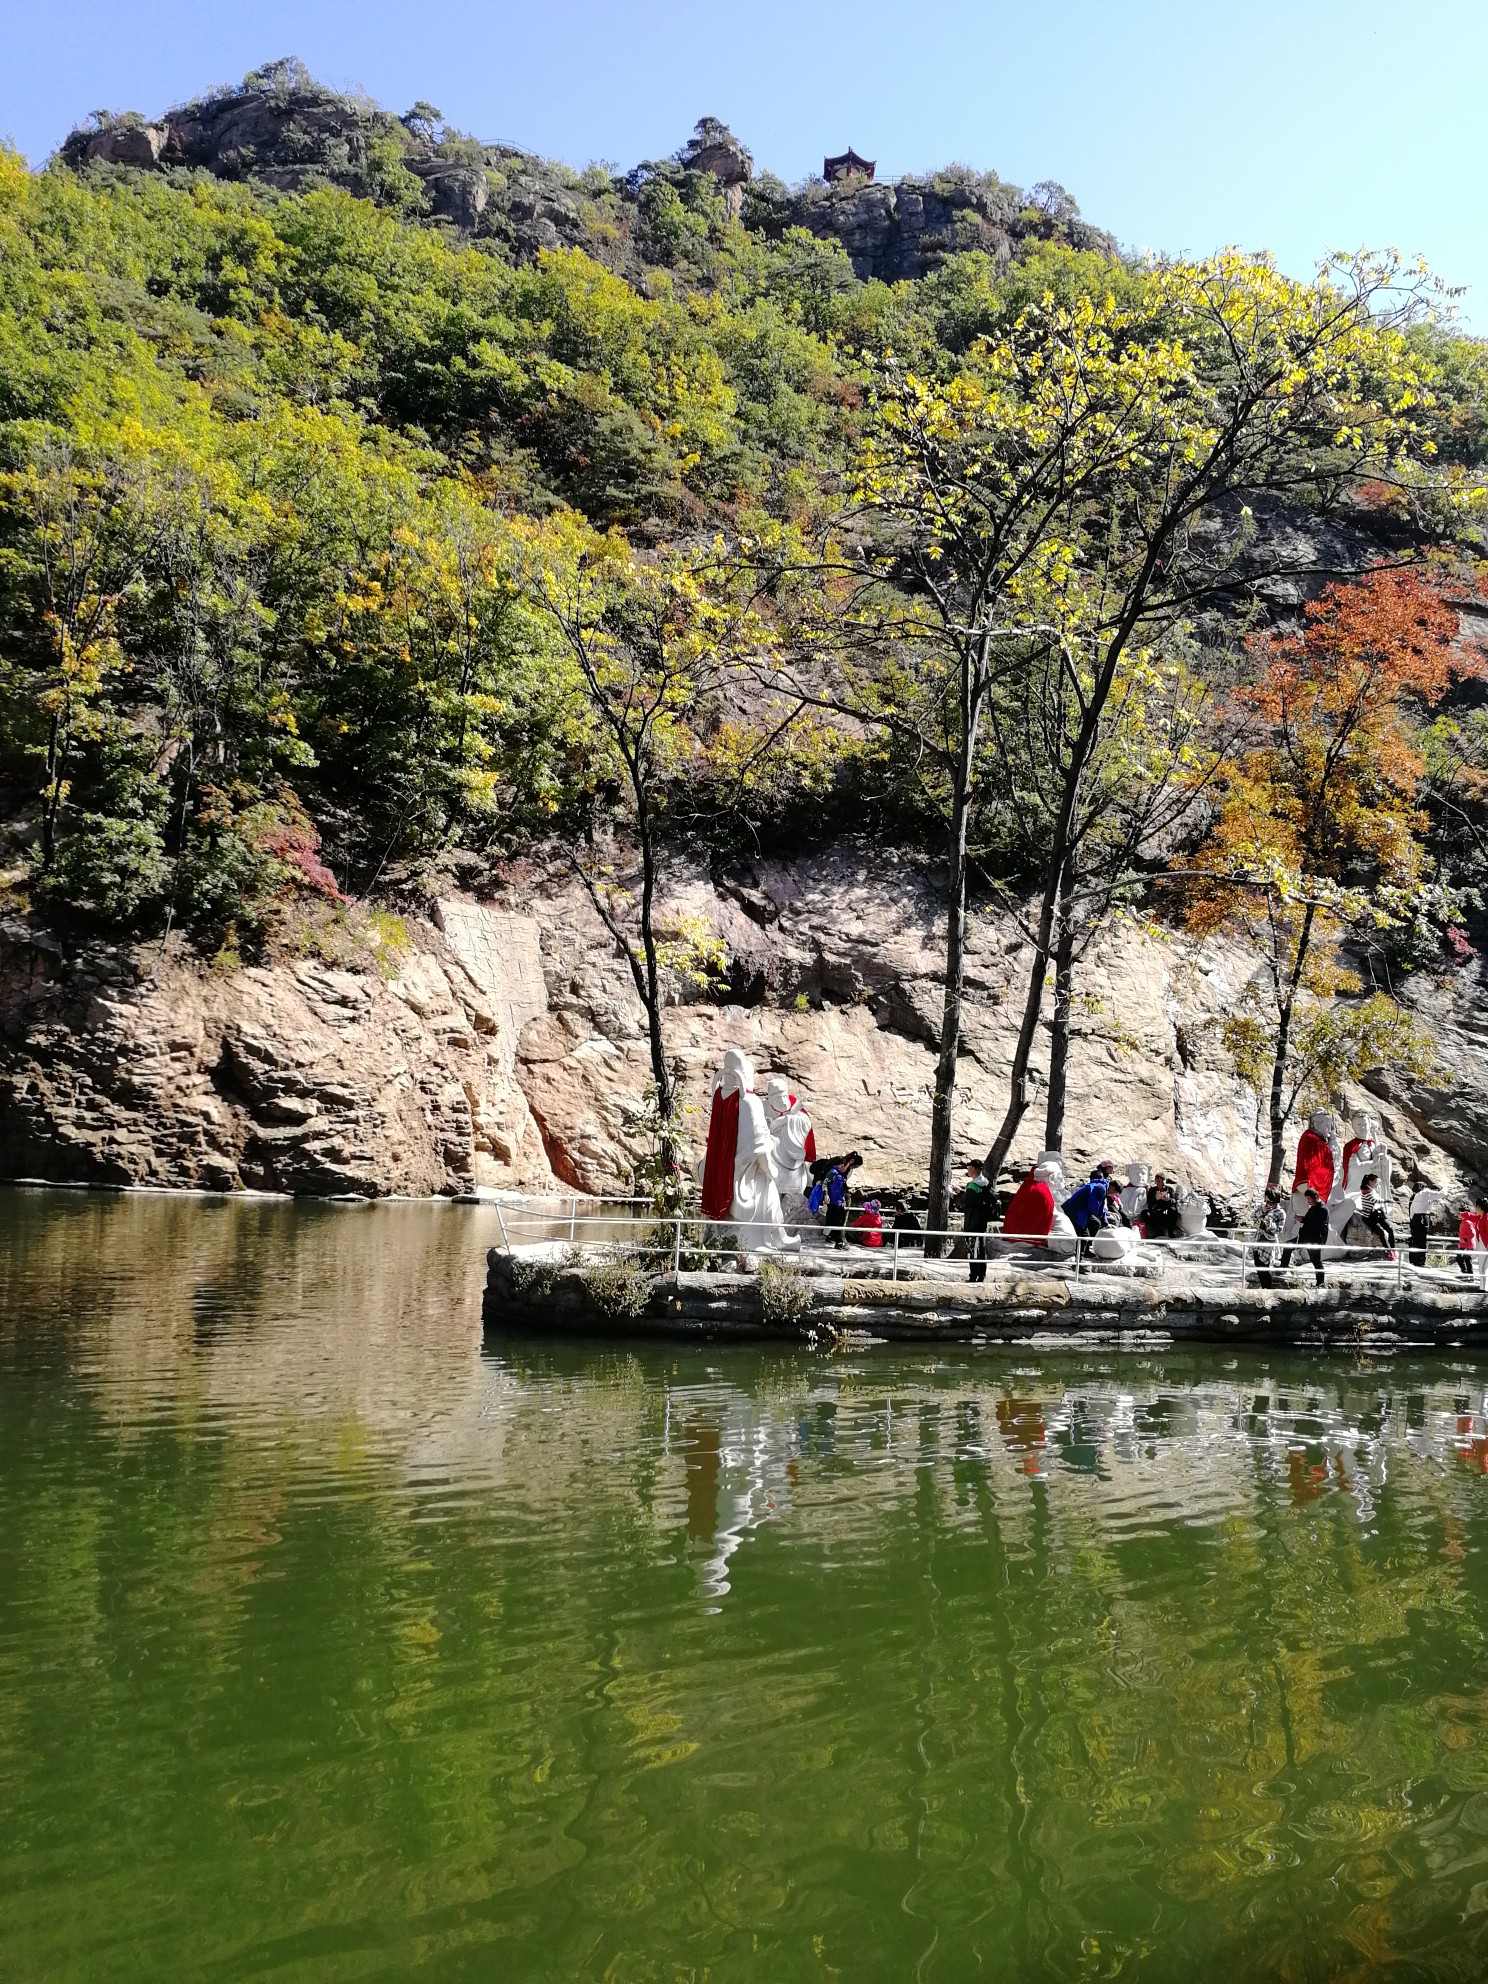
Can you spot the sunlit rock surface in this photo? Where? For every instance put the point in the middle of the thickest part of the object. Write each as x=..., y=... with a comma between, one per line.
x=505, y=1046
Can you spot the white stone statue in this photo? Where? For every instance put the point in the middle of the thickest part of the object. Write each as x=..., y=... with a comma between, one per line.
x=738, y=1120
x=1114, y=1243
x=1049, y=1165
x=1134, y=1194
x=1193, y=1216
x=794, y=1142
x=1063, y=1239
x=1363, y=1153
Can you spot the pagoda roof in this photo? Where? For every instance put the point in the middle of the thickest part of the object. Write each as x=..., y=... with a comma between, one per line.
x=847, y=165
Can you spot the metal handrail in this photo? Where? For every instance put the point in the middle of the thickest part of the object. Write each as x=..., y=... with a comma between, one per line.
x=1243, y=1248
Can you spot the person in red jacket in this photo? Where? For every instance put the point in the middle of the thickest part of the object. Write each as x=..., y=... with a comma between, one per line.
x=1467, y=1239
x=867, y=1228
x=1472, y=1239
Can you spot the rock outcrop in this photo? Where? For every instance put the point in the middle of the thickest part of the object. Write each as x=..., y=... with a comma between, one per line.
x=142, y=1069
x=296, y=135
x=283, y=135
x=714, y=149
x=898, y=232
x=504, y=1047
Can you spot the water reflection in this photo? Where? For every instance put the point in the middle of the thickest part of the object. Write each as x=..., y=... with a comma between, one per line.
x=332, y=1643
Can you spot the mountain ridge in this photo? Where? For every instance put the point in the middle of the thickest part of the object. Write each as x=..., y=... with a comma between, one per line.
x=281, y=128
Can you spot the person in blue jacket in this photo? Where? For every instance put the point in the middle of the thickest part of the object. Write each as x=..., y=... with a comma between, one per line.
x=839, y=1170
x=1085, y=1208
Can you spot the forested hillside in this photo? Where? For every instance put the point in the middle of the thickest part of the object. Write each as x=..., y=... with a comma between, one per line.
x=276, y=442
x=376, y=505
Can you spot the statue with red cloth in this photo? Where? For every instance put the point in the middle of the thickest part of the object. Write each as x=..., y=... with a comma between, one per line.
x=1317, y=1165
x=740, y=1173
x=1364, y=1156
x=1030, y=1213
x=1317, y=1155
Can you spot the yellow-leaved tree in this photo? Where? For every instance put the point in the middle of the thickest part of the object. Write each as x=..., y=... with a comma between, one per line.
x=1084, y=483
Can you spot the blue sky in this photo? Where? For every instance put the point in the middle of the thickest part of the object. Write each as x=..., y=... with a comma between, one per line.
x=1298, y=127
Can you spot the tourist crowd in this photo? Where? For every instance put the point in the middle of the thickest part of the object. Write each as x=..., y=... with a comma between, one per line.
x=1151, y=1211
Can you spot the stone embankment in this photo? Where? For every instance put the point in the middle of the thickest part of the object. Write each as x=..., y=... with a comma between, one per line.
x=525, y=1296
x=502, y=1048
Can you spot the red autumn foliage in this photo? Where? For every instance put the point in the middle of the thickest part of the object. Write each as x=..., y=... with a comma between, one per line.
x=297, y=845
x=1334, y=772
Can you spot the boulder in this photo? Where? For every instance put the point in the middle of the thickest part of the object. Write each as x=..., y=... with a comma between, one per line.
x=457, y=193
x=131, y=143
x=713, y=148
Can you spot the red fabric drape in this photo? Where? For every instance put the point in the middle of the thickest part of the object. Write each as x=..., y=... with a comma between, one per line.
x=810, y=1137
x=718, y=1167
x=1030, y=1211
x=1314, y=1164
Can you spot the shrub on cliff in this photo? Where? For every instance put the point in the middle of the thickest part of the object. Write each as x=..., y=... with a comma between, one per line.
x=113, y=871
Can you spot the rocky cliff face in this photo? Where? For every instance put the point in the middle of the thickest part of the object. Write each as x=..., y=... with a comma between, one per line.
x=504, y=1048
x=898, y=232
x=143, y=1069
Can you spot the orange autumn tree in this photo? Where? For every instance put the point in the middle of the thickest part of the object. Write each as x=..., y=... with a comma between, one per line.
x=1319, y=832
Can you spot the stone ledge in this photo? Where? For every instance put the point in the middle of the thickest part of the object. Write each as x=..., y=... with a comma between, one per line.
x=529, y=1298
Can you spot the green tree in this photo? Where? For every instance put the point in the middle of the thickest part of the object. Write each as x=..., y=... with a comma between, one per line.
x=649, y=639
x=80, y=529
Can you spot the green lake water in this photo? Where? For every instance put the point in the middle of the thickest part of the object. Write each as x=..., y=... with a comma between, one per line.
x=333, y=1645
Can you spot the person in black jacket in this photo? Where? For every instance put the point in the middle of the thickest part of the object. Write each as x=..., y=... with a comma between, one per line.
x=1160, y=1213
x=908, y=1225
x=976, y=1218
x=1312, y=1235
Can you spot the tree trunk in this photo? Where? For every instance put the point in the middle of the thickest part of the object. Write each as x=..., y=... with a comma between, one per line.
x=1278, y=1089
x=661, y=1074
x=942, y=1113
x=51, y=802
x=1063, y=846
x=1064, y=995
x=1033, y=1001
x=1287, y=1007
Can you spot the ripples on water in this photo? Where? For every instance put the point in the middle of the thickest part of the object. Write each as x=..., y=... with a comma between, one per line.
x=332, y=1647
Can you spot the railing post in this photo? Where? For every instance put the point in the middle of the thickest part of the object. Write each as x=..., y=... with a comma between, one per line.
x=1242, y=1260
x=677, y=1250
x=894, y=1271
x=573, y=1220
